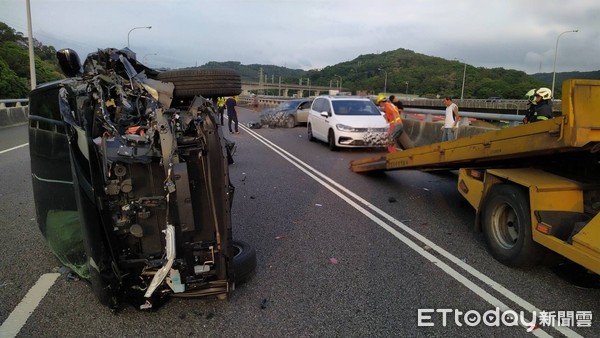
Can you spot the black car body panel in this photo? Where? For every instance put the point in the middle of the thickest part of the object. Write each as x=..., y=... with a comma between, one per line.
x=143, y=188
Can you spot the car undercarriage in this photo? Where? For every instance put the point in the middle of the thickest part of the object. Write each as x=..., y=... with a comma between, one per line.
x=149, y=179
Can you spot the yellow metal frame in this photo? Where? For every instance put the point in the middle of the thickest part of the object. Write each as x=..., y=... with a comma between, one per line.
x=577, y=129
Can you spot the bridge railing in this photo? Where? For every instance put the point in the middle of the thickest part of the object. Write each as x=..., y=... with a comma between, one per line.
x=427, y=115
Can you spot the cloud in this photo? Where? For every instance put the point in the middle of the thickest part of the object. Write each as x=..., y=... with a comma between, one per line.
x=317, y=33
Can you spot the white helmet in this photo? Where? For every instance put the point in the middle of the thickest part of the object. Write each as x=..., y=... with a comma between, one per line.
x=544, y=93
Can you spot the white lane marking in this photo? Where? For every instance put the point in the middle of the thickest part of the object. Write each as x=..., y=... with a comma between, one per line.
x=15, y=321
x=13, y=148
x=471, y=270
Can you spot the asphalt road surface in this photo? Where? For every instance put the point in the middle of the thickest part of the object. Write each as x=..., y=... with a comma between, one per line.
x=339, y=254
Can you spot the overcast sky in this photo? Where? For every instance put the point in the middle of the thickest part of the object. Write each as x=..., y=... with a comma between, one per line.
x=312, y=34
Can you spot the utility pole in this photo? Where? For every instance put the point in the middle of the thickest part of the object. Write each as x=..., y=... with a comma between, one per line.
x=31, y=55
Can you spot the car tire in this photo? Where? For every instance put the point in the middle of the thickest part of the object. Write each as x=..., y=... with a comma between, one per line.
x=290, y=121
x=311, y=138
x=244, y=262
x=331, y=141
x=506, y=225
x=204, y=82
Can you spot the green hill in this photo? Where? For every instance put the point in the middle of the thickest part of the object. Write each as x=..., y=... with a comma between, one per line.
x=14, y=64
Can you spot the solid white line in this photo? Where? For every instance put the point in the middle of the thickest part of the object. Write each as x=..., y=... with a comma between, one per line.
x=15, y=321
x=474, y=272
x=13, y=148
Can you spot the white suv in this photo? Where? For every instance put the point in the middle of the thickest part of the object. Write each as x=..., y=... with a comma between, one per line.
x=346, y=121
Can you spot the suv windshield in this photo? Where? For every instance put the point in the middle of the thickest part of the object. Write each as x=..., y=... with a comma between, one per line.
x=354, y=107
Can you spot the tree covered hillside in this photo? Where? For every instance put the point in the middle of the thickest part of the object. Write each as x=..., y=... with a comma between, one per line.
x=14, y=64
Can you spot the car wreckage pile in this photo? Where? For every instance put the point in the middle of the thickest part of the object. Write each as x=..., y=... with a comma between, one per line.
x=150, y=196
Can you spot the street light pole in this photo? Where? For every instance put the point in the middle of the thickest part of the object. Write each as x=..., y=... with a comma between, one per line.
x=462, y=91
x=33, y=80
x=555, y=53
x=340, y=87
x=134, y=28
x=385, y=82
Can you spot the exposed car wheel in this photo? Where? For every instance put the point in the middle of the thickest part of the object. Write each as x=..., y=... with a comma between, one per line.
x=331, y=139
x=290, y=121
x=244, y=261
x=506, y=224
x=311, y=138
x=205, y=82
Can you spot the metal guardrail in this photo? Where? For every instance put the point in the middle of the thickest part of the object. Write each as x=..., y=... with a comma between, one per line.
x=512, y=119
x=5, y=103
x=428, y=114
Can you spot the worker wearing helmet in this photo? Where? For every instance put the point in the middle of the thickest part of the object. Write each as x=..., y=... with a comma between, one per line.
x=529, y=114
x=221, y=107
x=397, y=137
x=541, y=106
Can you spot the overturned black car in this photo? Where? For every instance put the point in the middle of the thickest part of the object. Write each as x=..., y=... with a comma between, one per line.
x=130, y=179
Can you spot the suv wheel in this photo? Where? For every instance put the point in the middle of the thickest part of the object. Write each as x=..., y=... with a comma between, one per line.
x=204, y=82
x=311, y=138
x=331, y=139
x=244, y=261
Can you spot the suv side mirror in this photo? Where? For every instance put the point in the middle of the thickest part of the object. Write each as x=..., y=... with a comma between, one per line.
x=324, y=114
x=69, y=62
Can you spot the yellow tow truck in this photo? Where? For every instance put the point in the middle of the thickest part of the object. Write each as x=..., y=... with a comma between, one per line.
x=534, y=187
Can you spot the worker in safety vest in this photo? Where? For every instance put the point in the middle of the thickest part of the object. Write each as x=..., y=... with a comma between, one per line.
x=221, y=107
x=397, y=137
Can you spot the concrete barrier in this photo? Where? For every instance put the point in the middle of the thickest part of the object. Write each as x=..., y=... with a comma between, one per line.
x=424, y=133
x=10, y=116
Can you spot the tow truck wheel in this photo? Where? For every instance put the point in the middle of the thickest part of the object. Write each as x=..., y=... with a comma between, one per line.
x=506, y=224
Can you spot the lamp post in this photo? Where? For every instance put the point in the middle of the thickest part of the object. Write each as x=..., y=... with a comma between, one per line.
x=385, y=81
x=555, y=53
x=340, y=87
x=462, y=91
x=134, y=28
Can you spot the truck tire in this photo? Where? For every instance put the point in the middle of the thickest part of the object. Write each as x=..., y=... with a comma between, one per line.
x=506, y=225
x=244, y=262
x=204, y=82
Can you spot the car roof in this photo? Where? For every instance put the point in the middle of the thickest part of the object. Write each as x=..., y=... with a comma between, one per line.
x=345, y=97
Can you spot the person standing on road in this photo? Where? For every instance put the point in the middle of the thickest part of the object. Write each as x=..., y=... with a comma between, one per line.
x=396, y=135
x=451, y=120
x=221, y=107
x=232, y=114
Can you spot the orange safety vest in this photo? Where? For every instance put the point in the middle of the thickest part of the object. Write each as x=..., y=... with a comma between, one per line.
x=392, y=115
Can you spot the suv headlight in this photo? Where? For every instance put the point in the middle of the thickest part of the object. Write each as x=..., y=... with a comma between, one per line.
x=343, y=127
